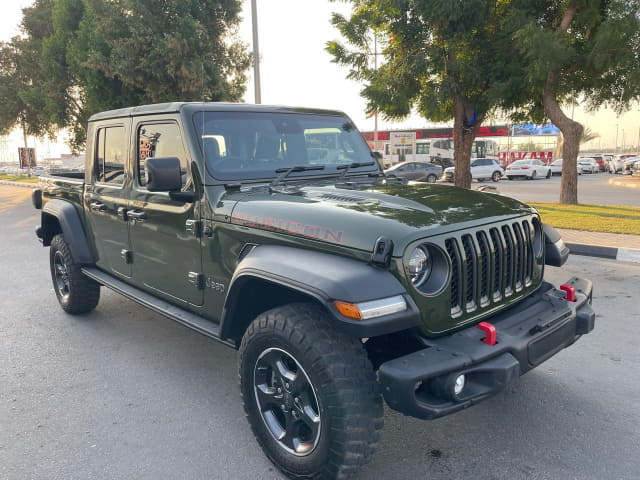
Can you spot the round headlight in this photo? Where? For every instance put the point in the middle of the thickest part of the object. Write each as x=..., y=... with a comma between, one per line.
x=418, y=265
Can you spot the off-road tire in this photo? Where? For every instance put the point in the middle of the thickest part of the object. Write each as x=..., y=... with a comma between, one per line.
x=339, y=372
x=495, y=176
x=82, y=293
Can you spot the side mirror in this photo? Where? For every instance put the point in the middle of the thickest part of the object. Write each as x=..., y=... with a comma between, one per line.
x=163, y=174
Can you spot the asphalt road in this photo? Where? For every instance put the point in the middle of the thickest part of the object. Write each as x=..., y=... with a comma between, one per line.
x=593, y=189
x=123, y=393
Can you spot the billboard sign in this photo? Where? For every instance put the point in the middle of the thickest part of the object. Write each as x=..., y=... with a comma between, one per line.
x=535, y=129
x=403, y=140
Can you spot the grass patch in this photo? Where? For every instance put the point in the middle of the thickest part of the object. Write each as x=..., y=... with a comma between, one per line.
x=591, y=218
x=18, y=178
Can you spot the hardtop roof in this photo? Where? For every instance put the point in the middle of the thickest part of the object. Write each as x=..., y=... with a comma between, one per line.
x=175, y=107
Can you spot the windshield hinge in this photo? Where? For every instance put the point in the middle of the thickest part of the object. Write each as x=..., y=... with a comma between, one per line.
x=382, y=252
x=194, y=227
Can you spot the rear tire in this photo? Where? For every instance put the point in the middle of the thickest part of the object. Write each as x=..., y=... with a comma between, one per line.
x=496, y=176
x=76, y=293
x=310, y=394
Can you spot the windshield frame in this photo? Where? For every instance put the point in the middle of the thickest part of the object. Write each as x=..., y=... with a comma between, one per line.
x=213, y=176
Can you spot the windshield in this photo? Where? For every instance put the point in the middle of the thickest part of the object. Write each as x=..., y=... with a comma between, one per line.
x=250, y=145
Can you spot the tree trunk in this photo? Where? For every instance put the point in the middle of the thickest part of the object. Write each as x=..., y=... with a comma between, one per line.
x=24, y=137
x=571, y=132
x=463, y=136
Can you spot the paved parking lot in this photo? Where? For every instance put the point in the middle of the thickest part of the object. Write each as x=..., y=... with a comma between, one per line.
x=123, y=393
x=594, y=189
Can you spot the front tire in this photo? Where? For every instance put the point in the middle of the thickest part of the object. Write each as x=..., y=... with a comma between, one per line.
x=76, y=293
x=310, y=394
x=533, y=175
x=548, y=174
x=431, y=178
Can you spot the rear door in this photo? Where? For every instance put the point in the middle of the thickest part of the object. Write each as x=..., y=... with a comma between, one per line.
x=164, y=232
x=106, y=196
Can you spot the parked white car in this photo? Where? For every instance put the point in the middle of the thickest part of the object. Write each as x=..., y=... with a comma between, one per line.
x=617, y=163
x=481, y=169
x=588, y=165
x=556, y=167
x=531, y=169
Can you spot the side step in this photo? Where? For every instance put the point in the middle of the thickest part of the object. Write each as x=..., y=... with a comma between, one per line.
x=186, y=318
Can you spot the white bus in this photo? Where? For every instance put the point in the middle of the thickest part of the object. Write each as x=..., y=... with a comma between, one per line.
x=439, y=151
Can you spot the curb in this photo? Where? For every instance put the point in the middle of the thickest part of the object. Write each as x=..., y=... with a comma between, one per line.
x=618, y=183
x=620, y=254
x=19, y=184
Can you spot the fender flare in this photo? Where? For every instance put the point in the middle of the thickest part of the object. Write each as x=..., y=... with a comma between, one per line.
x=324, y=277
x=71, y=225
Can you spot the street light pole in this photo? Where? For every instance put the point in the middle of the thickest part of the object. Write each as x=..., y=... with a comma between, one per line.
x=256, y=53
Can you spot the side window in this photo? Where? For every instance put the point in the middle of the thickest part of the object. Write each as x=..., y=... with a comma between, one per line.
x=160, y=140
x=110, y=156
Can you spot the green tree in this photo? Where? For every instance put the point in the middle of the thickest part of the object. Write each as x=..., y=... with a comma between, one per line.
x=447, y=59
x=570, y=50
x=102, y=54
x=588, y=135
x=20, y=76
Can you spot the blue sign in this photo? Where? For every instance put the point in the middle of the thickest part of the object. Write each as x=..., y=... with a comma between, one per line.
x=535, y=129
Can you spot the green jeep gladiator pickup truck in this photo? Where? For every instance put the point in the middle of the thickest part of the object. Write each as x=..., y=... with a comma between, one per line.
x=274, y=231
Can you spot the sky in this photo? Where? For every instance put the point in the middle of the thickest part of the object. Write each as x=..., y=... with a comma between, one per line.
x=296, y=71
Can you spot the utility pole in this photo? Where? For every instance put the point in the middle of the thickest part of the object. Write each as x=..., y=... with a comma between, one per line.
x=375, y=113
x=256, y=53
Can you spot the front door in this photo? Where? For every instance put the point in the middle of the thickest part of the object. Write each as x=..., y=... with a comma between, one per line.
x=167, y=253
x=106, y=198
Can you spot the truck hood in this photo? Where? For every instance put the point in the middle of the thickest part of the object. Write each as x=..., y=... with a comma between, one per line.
x=356, y=218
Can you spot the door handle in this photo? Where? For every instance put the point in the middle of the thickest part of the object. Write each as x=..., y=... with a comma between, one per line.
x=97, y=206
x=137, y=215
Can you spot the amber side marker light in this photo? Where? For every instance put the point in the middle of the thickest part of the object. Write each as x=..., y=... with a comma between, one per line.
x=371, y=309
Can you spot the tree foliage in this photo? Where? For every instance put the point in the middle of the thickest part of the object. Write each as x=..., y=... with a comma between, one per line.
x=95, y=55
x=463, y=59
x=574, y=50
x=447, y=59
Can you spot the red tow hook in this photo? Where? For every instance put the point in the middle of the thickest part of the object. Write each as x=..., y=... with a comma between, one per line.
x=570, y=292
x=490, y=330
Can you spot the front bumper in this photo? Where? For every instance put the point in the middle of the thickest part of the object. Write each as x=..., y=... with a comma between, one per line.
x=418, y=384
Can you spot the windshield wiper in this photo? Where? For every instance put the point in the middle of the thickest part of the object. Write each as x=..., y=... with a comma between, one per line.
x=349, y=166
x=286, y=171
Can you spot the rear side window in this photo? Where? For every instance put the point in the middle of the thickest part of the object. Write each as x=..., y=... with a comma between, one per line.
x=160, y=140
x=110, y=155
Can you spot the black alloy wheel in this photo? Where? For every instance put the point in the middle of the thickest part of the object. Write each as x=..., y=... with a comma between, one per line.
x=76, y=293
x=61, y=276
x=287, y=401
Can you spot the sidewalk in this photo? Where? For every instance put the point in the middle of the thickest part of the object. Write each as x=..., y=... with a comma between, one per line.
x=621, y=247
x=19, y=184
x=623, y=181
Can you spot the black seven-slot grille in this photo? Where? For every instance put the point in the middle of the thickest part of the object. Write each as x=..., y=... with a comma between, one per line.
x=490, y=265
